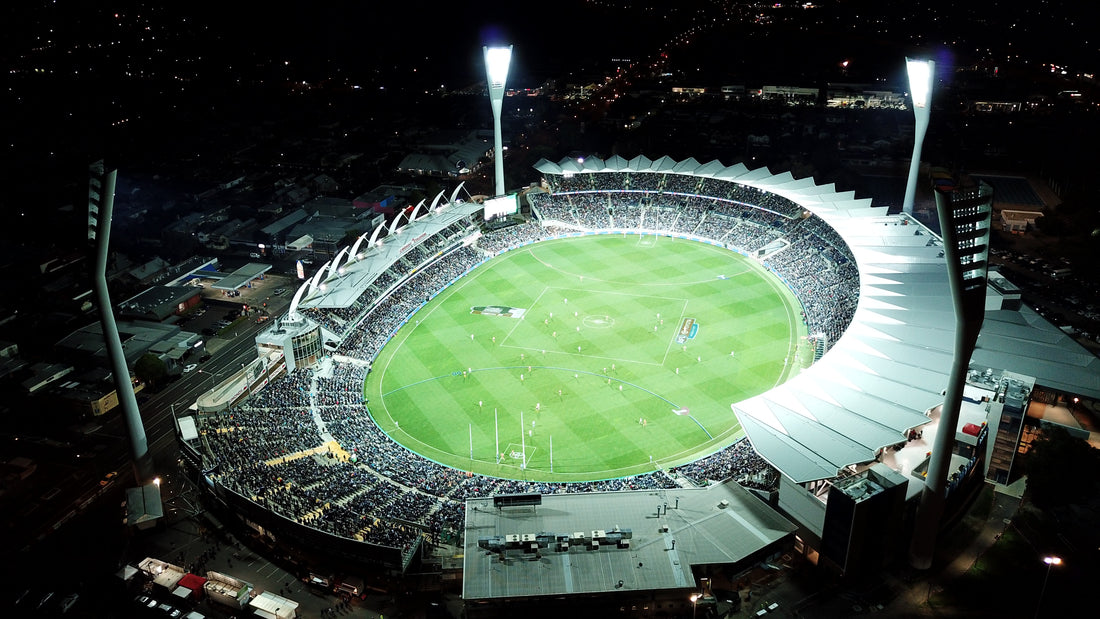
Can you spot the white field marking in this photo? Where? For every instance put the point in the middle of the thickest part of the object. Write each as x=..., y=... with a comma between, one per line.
x=617, y=282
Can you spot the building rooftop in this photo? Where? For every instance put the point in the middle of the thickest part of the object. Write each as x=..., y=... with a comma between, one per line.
x=241, y=276
x=158, y=301
x=716, y=525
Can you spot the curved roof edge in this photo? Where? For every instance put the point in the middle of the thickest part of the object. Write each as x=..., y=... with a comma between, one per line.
x=879, y=379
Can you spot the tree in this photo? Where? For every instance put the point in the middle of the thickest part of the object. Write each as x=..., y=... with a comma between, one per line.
x=1061, y=469
x=150, y=369
x=1051, y=223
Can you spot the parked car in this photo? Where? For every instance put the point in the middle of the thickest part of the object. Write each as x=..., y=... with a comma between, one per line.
x=146, y=601
x=67, y=602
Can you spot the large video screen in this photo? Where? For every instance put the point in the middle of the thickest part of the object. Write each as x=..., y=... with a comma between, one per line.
x=502, y=206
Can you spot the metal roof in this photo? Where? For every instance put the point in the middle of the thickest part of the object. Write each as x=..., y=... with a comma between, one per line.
x=355, y=273
x=240, y=277
x=705, y=530
x=891, y=364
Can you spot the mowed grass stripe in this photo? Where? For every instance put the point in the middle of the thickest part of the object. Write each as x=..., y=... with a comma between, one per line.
x=595, y=426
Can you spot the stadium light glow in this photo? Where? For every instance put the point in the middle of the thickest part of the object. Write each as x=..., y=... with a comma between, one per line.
x=497, y=60
x=920, y=80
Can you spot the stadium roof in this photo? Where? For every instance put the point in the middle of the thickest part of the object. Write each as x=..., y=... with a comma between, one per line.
x=705, y=531
x=354, y=274
x=891, y=365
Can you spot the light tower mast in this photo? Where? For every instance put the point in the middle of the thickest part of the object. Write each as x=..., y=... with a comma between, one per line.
x=497, y=60
x=101, y=200
x=921, y=73
x=964, y=225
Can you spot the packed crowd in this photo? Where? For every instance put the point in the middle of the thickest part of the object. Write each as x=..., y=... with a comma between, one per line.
x=503, y=239
x=682, y=184
x=339, y=321
x=591, y=210
x=626, y=215
x=738, y=462
x=272, y=447
x=239, y=438
x=673, y=183
x=823, y=277
x=809, y=254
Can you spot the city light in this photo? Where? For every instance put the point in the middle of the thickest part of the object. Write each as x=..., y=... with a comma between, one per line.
x=1050, y=561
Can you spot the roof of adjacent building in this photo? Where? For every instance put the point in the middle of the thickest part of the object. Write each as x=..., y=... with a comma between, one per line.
x=159, y=301
x=285, y=222
x=705, y=531
x=240, y=277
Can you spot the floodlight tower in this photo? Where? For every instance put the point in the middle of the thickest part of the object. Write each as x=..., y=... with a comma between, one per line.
x=101, y=200
x=921, y=73
x=964, y=224
x=497, y=60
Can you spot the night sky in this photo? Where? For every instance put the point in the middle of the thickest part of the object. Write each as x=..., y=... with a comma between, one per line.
x=167, y=89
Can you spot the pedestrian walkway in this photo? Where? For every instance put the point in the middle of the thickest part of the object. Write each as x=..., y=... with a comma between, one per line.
x=324, y=369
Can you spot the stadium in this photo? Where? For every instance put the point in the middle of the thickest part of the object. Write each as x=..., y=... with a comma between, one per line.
x=325, y=446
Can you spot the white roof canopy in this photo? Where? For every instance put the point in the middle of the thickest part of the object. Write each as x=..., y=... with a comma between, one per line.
x=891, y=364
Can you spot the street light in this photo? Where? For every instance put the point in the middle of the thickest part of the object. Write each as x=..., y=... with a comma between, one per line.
x=1050, y=561
x=920, y=73
x=694, y=604
x=497, y=60
x=211, y=375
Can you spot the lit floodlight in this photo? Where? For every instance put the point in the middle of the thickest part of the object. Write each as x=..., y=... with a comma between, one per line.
x=921, y=73
x=920, y=80
x=1052, y=560
x=497, y=60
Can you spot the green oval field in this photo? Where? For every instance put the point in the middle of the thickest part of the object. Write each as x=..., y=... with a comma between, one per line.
x=587, y=358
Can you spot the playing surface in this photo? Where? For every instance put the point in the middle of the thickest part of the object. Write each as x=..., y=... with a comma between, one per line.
x=615, y=354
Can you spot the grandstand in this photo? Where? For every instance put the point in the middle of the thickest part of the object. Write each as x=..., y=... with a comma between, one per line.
x=305, y=451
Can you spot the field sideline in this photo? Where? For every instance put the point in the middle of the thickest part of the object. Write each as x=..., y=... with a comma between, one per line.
x=619, y=354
